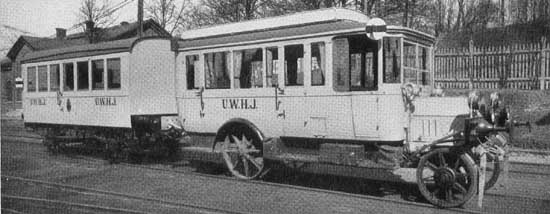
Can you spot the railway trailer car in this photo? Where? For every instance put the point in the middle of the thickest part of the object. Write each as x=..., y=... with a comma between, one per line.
x=333, y=91
x=117, y=95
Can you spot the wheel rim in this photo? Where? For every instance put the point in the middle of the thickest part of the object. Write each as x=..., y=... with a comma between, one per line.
x=446, y=179
x=242, y=158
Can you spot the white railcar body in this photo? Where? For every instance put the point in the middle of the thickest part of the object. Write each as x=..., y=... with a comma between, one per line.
x=99, y=85
x=307, y=108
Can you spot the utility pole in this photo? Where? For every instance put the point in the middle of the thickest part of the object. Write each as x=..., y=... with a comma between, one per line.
x=140, y=18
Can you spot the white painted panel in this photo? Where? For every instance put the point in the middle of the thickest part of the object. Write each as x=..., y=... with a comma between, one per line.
x=152, y=77
x=365, y=115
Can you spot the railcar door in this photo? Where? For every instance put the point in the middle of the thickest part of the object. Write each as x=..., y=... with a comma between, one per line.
x=191, y=106
x=364, y=85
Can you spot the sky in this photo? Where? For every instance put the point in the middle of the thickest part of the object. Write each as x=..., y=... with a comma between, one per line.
x=41, y=17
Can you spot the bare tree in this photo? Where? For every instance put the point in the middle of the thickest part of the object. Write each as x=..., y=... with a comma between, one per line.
x=168, y=13
x=101, y=13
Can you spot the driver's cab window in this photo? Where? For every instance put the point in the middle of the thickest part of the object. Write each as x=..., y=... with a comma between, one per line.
x=415, y=64
x=392, y=60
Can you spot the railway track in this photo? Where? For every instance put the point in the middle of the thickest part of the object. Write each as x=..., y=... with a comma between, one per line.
x=51, y=206
x=89, y=160
x=167, y=168
x=69, y=189
x=286, y=186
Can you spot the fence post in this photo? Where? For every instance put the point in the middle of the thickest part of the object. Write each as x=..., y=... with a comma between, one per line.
x=471, y=65
x=542, y=57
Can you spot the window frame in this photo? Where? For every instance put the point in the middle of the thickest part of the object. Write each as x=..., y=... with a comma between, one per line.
x=107, y=79
x=417, y=67
x=50, y=76
x=123, y=91
x=104, y=74
x=35, y=68
x=229, y=53
x=263, y=67
x=278, y=46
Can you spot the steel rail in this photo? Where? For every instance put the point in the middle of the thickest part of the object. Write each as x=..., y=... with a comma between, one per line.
x=118, y=194
x=302, y=188
x=71, y=204
x=309, y=188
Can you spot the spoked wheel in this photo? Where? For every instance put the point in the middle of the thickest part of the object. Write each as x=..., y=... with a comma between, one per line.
x=243, y=159
x=445, y=178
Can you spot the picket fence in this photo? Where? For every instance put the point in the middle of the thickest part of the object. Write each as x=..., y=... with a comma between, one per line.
x=515, y=66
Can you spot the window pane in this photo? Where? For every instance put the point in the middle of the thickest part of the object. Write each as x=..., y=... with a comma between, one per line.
x=82, y=72
x=363, y=63
x=43, y=78
x=98, y=70
x=318, y=61
x=409, y=52
x=392, y=60
x=68, y=76
x=31, y=79
x=192, y=71
x=294, y=74
x=113, y=73
x=216, y=70
x=248, y=68
x=54, y=77
x=423, y=58
x=272, y=60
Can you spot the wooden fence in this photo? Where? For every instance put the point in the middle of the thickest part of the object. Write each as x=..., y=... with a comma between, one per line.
x=516, y=66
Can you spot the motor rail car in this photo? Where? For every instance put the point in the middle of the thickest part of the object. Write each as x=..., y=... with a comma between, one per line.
x=105, y=94
x=326, y=91
x=332, y=91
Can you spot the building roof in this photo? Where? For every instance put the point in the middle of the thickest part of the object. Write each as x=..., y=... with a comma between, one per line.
x=117, y=32
x=116, y=46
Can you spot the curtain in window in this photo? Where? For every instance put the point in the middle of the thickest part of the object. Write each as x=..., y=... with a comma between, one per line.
x=257, y=74
x=237, y=60
x=318, y=64
x=226, y=82
x=269, y=67
x=209, y=71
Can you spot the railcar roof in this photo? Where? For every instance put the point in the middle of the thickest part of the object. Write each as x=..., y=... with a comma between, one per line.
x=282, y=33
x=299, y=25
x=93, y=49
x=302, y=18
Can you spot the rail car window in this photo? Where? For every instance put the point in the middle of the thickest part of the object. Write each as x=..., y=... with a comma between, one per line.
x=54, y=77
x=272, y=58
x=248, y=68
x=68, y=76
x=318, y=62
x=415, y=64
x=294, y=69
x=31, y=79
x=392, y=60
x=191, y=61
x=355, y=63
x=216, y=70
x=113, y=73
x=42, y=78
x=98, y=69
x=82, y=75
x=363, y=63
